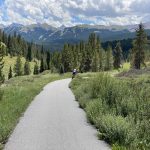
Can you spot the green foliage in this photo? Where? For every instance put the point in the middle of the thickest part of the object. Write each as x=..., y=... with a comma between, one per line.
x=2, y=51
x=27, y=70
x=109, y=59
x=85, y=56
x=10, y=74
x=43, y=65
x=119, y=108
x=17, y=46
x=67, y=58
x=18, y=67
x=117, y=147
x=55, y=62
x=117, y=56
x=2, y=77
x=36, y=69
x=95, y=62
x=61, y=71
x=18, y=94
x=114, y=129
x=138, y=51
x=29, y=53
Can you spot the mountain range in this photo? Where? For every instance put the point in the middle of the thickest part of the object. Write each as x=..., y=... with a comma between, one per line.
x=54, y=38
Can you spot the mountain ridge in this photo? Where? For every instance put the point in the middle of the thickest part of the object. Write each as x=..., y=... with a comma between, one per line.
x=54, y=38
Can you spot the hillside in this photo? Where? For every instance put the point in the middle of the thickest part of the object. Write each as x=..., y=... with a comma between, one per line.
x=54, y=38
x=10, y=61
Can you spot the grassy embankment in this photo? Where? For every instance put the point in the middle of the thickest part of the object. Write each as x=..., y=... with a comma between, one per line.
x=10, y=61
x=18, y=94
x=118, y=107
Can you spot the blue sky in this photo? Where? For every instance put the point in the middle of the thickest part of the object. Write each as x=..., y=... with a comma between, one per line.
x=1, y=2
x=73, y=12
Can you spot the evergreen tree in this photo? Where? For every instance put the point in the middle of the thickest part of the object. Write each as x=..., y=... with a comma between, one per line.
x=10, y=74
x=109, y=59
x=67, y=58
x=29, y=54
x=95, y=62
x=42, y=50
x=9, y=44
x=101, y=55
x=18, y=67
x=138, y=51
x=117, y=56
x=45, y=63
x=102, y=59
x=48, y=59
x=61, y=70
x=88, y=58
x=56, y=61
x=82, y=57
x=2, y=51
x=4, y=38
x=36, y=69
x=27, y=70
x=42, y=66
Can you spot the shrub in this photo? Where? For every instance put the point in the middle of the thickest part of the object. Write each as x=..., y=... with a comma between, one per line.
x=114, y=128
x=94, y=110
x=117, y=147
x=118, y=107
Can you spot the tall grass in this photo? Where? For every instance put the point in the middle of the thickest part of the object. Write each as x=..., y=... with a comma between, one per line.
x=18, y=94
x=119, y=108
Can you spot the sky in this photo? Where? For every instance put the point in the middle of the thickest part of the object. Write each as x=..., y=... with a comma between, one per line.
x=73, y=12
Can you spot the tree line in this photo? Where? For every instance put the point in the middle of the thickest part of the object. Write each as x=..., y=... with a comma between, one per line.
x=15, y=45
x=91, y=56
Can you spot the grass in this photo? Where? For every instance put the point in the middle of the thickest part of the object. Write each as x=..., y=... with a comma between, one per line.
x=125, y=68
x=18, y=94
x=118, y=107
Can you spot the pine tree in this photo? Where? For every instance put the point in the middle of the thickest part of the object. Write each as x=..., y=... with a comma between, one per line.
x=67, y=58
x=48, y=59
x=27, y=70
x=117, y=56
x=42, y=66
x=36, y=69
x=10, y=74
x=138, y=52
x=45, y=63
x=82, y=57
x=109, y=59
x=101, y=55
x=88, y=58
x=29, y=54
x=61, y=70
x=95, y=62
x=55, y=61
x=2, y=51
x=102, y=58
x=18, y=66
x=9, y=44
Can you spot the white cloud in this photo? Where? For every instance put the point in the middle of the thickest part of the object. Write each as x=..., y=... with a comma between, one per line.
x=71, y=12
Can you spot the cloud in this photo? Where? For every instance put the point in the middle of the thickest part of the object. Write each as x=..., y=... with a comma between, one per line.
x=72, y=12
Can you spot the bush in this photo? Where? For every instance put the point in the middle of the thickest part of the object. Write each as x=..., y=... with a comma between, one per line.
x=118, y=107
x=94, y=110
x=114, y=128
x=117, y=147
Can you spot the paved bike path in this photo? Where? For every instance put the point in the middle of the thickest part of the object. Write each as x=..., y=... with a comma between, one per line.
x=54, y=121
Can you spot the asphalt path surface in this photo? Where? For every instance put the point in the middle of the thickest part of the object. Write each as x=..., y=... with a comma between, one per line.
x=54, y=121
